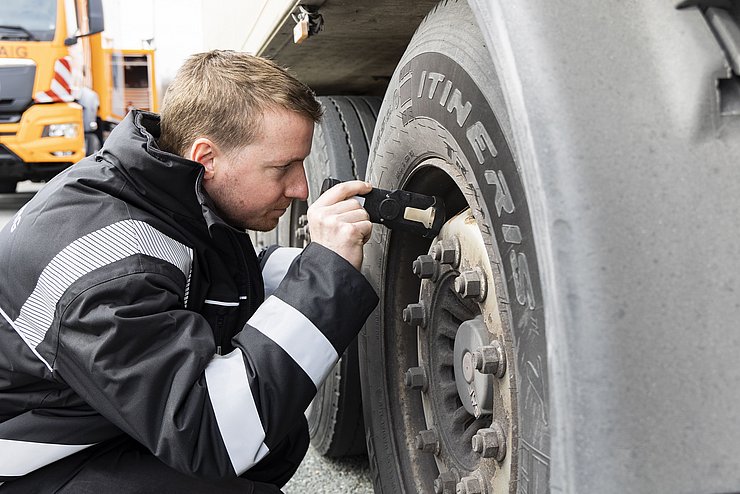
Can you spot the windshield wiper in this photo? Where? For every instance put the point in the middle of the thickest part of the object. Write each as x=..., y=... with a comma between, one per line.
x=28, y=34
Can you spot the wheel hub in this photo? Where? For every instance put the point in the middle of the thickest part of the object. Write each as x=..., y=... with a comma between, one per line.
x=475, y=389
x=467, y=391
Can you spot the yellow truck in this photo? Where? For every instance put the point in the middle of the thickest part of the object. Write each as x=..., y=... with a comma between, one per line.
x=61, y=90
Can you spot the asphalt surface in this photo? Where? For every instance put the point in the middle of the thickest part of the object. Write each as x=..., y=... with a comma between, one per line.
x=316, y=475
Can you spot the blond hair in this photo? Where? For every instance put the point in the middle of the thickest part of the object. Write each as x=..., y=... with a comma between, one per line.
x=222, y=95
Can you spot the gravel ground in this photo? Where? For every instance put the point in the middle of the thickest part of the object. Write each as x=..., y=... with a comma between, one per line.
x=319, y=475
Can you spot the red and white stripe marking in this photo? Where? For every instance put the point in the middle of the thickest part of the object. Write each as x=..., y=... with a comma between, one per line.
x=61, y=84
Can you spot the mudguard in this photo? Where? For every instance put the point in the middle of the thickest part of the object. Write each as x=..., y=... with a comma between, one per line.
x=632, y=169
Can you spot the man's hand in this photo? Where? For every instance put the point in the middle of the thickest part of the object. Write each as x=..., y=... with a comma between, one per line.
x=339, y=223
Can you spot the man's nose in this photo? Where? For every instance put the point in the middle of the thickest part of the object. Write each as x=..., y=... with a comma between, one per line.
x=298, y=188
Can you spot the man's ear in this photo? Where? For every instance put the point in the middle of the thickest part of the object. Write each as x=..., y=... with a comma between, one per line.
x=204, y=151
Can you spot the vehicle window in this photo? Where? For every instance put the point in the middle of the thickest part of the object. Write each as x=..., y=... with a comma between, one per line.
x=33, y=20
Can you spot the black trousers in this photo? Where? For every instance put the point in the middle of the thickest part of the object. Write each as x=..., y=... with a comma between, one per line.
x=123, y=466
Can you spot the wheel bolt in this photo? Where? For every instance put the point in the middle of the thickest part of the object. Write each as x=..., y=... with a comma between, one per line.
x=490, y=359
x=447, y=252
x=303, y=220
x=445, y=483
x=427, y=441
x=301, y=234
x=414, y=315
x=490, y=442
x=471, y=284
x=469, y=485
x=416, y=378
x=425, y=267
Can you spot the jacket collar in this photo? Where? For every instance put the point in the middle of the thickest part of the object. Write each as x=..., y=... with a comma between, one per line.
x=164, y=179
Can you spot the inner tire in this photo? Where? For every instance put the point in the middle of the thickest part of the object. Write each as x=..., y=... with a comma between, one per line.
x=340, y=150
x=444, y=130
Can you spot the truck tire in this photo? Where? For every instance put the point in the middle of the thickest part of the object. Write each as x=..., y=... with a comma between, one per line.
x=340, y=150
x=435, y=424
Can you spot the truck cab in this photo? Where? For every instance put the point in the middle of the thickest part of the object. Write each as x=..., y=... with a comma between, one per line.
x=47, y=99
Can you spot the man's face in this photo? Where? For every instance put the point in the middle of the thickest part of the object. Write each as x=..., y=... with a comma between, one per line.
x=253, y=185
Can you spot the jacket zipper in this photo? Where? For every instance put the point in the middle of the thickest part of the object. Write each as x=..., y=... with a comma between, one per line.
x=219, y=333
x=246, y=273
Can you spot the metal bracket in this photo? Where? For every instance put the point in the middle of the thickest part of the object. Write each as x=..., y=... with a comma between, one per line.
x=723, y=18
x=727, y=30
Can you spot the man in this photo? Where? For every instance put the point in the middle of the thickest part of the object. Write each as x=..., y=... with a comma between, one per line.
x=136, y=352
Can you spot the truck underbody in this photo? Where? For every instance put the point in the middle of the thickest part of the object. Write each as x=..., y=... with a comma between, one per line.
x=361, y=43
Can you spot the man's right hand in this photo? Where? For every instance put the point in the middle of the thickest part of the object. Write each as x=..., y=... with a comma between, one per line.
x=339, y=223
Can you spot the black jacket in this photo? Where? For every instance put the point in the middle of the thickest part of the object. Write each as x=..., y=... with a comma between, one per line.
x=128, y=306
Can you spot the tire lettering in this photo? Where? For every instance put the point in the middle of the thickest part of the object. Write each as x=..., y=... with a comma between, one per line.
x=503, y=199
x=436, y=78
x=522, y=279
x=445, y=93
x=462, y=110
x=512, y=234
x=422, y=80
x=480, y=140
x=451, y=99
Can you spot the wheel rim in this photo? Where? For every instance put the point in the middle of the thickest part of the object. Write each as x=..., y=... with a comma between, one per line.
x=471, y=454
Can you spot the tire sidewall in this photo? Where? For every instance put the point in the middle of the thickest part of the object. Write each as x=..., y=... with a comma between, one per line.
x=415, y=129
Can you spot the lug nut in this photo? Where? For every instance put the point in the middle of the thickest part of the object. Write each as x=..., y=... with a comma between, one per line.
x=471, y=284
x=427, y=441
x=303, y=220
x=414, y=315
x=301, y=234
x=447, y=252
x=445, y=483
x=490, y=359
x=490, y=442
x=425, y=267
x=469, y=485
x=416, y=378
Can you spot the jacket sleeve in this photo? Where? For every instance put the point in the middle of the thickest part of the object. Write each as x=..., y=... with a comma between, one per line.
x=149, y=366
x=289, y=346
x=275, y=262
